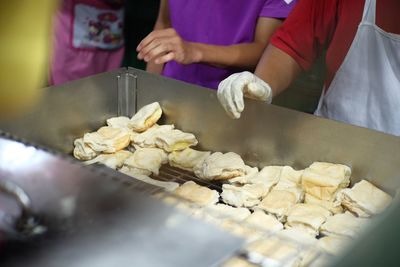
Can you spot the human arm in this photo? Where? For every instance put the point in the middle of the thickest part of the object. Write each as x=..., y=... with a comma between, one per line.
x=162, y=22
x=165, y=45
x=289, y=52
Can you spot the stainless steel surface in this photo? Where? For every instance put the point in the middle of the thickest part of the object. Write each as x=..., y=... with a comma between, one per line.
x=67, y=111
x=98, y=217
x=271, y=135
x=265, y=135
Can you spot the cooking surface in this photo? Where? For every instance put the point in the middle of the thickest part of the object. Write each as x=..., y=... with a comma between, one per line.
x=95, y=217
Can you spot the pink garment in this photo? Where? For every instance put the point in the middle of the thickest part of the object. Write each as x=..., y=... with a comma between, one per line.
x=88, y=39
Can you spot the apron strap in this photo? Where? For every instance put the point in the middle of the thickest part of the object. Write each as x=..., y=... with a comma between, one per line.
x=369, y=11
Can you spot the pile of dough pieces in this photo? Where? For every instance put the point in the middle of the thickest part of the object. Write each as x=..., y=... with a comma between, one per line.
x=314, y=206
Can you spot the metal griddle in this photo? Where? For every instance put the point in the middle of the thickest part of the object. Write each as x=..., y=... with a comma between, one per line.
x=265, y=135
x=96, y=217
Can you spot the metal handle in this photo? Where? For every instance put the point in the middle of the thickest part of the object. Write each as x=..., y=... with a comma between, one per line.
x=26, y=225
x=19, y=194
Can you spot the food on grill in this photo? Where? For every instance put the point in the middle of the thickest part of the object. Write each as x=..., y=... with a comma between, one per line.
x=279, y=202
x=149, y=159
x=175, y=140
x=107, y=139
x=113, y=161
x=219, y=166
x=323, y=180
x=238, y=262
x=248, y=195
x=307, y=218
x=302, y=199
x=364, y=199
x=198, y=194
x=146, y=117
x=148, y=138
x=222, y=211
x=130, y=171
x=268, y=175
x=332, y=206
x=250, y=172
x=83, y=151
x=187, y=159
x=276, y=250
x=139, y=175
x=260, y=220
x=333, y=244
x=343, y=225
x=290, y=174
x=119, y=122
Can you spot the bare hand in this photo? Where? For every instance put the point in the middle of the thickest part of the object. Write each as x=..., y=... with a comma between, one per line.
x=161, y=46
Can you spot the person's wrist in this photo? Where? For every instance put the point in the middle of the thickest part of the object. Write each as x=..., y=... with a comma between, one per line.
x=195, y=52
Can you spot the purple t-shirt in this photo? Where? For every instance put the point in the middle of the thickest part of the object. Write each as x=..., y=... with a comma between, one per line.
x=217, y=22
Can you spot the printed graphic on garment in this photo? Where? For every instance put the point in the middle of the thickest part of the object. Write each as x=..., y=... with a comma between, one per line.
x=97, y=28
x=288, y=1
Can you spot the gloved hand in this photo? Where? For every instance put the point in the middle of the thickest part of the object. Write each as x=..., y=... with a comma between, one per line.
x=232, y=89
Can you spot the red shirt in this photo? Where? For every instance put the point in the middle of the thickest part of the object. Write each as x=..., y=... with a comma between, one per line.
x=316, y=25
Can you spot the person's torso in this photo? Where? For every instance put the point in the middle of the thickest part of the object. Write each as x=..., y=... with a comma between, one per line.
x=216, y=22
x=365, y=90
x=349, y=14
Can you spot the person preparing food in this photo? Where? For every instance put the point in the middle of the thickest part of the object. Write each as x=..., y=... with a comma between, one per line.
x=363, y=62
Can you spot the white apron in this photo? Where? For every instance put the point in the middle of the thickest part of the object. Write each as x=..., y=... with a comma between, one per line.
x=366, y=89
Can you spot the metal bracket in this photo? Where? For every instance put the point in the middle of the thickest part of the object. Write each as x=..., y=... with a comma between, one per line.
x=127, y=91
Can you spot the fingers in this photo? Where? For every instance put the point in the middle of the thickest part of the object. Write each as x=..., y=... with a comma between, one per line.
x=165, y=58
x=227, y=97
x=161, y=47
x=158, y=47
x=154, y=35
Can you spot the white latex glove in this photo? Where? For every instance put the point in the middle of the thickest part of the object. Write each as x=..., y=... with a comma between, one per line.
x=232, y=89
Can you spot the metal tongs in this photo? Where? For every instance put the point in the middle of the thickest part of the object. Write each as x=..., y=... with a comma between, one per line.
x=26, y=224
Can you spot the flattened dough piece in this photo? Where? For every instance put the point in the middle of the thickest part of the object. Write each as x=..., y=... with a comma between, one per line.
x=140, y=174
x=148, y=138
x=290, y=174
x=119, y=122
x=307, y=218
x=279, y=202
x=263, y=221
x=83, y=151
x=108, y=139
x=149, y=159
x=364, y=199
x=323, y=180
x=222, y=211
x=198, y=194
x=248, y=195
x=333, y=245
x=113, y=161
x=237, y=262
x=343, y=225
x=333, y=206
x=146, y=117
x=268, y=175
x=187, y=159
x=123, y=123
x=250, y=172
x=278, y=251
x=219, y=166
x=175, y=140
